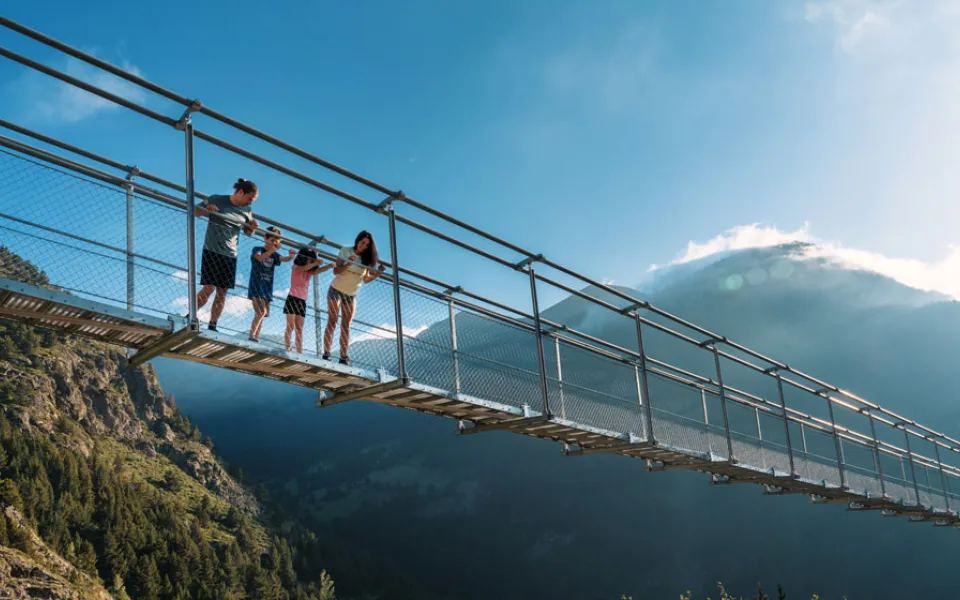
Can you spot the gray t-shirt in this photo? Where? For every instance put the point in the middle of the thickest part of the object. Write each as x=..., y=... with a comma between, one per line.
x=223, y=226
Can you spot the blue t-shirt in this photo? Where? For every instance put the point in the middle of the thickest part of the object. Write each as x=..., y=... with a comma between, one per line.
x=262, y=271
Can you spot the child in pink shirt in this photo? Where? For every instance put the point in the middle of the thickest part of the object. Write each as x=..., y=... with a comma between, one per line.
x=305, y=266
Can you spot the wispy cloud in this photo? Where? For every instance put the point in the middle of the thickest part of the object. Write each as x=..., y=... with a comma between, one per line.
x=937, y=276
x=740, y=237
x=386, y=331
x=235, y=306
x=854, y=20
x=40, y=98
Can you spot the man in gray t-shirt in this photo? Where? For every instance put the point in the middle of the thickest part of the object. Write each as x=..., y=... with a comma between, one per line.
x=218, y=267
x=224, y=226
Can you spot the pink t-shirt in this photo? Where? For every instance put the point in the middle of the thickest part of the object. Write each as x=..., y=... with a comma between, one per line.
x=298, y=283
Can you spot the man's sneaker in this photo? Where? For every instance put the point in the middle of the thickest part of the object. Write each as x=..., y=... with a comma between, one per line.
x=212, y=326
x=326, y=356
x=344, y=360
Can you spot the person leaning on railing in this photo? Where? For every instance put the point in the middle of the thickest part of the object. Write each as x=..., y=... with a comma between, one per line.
x=356, y=265
x=218, y=265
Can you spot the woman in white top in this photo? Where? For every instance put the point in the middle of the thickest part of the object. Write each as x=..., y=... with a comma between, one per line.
x=355, y=266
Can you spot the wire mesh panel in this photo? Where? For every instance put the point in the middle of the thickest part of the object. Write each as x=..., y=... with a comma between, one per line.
x=428, y=339
x=76, y=230
x=774, y=449
x=682, y=417
x=860, y=470
x=497, y=360
x=817, y=459
x=595, y=390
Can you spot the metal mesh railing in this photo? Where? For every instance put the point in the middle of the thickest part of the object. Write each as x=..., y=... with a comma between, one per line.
x=119, y=242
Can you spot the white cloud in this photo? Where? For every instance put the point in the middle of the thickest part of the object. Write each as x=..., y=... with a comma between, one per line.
x=386, y=331
x=739, y=238
x=42, y=98
x=235, y=306
x=938, y=276
x=895, y=25
x=853, y=20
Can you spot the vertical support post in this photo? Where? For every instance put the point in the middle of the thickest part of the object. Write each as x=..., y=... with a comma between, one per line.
x=836, y=443
x=943, y=477
x=397, y=313
x=317, y=330
x=644, y=382
x=191, y=224
x=453, y=346
x=763, y=458
x=539, y=332
x=803, y=439
x=876, y=453
x=706, y=414
x=706, y=419
x=723, y=402
x=556, y=349
x=786, y=424
x=913, y=472
x=130, y=278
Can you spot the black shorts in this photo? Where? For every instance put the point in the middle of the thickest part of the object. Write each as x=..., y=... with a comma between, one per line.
x=295, y=306
x=218, y=270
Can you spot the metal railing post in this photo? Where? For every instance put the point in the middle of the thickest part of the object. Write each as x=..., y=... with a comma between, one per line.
x=913, y=472
x=644, y=382
x=453, y=346
x=763, y=459
x=191, y=224
x=876, y=453
x=317, y=331
x=706, y=419
x=539, y=333
x=130, y=245
x=837, y=443
x=943, y=477
x=786, y=423
x=556, y=350
x=397, y=313
x=723, y=402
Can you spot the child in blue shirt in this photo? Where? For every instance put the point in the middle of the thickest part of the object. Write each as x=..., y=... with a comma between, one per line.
x=263, y=263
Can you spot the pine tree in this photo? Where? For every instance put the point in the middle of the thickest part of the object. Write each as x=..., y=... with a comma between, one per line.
x=10, y=494
x=118, y=590
x=146, y=579
x=87, y=558
x=114, y=563
x=4, y=538
x=326, y=587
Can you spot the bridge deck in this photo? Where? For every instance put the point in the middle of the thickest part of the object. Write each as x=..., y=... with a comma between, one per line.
x=171, y=338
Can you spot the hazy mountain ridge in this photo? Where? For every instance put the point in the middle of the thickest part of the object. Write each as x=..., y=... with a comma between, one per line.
x=600, y=525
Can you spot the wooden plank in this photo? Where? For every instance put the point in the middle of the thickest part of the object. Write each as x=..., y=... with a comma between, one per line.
x=24, y=314
x=245, y=366
x=424, y=408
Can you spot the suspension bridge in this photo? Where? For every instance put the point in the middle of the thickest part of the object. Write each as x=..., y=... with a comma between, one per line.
x=121, y=260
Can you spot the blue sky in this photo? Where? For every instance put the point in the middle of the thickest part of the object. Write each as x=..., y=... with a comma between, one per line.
x=607, y=135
